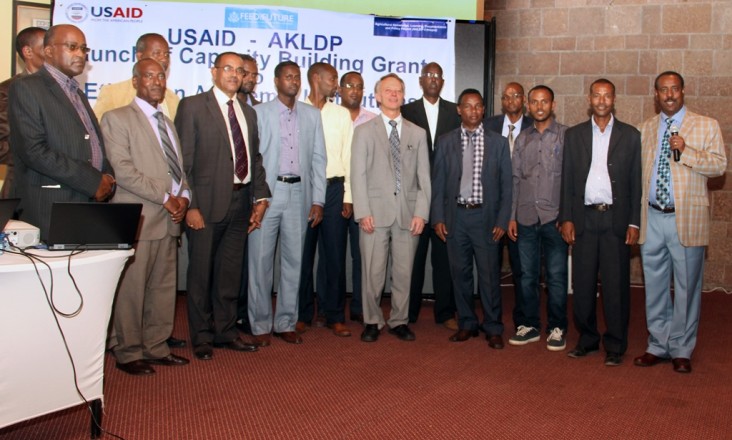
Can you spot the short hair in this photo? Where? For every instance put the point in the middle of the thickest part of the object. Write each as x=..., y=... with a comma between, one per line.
x=352, y=72
x=282, y=65
x=223, y=54
x=469, y=92
x=389, y=75
x=602, y=81
x=432, y=63
x=51, y=34
x=517, y=85
x=141, y=44
x=542, y=87
x=27, y=37
x=136, y=67
x=247, y=57
x=668, y=72
x=317, y=69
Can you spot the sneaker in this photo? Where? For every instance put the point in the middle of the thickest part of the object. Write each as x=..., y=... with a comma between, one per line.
x=524, y=335
x=555, y=341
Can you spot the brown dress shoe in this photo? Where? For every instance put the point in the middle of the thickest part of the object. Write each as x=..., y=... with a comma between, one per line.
x=648, y=360
x=450, y=324
x=136, y=368
x=289, y=337
x=682, y=365
x=170, y=360
x=262, y=340
x=495, y=342
x=301, y=326
x=340, y=329
x=463, y=335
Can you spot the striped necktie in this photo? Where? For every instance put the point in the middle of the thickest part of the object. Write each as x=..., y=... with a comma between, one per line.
x=396, y=154
x=170, y=155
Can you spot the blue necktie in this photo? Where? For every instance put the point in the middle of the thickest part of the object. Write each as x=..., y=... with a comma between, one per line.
x=663, y=182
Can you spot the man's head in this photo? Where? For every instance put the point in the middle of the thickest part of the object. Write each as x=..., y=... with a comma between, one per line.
x=251, y=74
x=512, y=100
x=29, y=45
x=431, y=81
x=64, y=47
x=148, y=78
x=227, y=72
x=669, y=92
x=389, y=92
x=351, y=90
x=153, y=46
x=541, y=103
x=287, y=79
x=324, y=77
x=470, y=108
x=602, y=98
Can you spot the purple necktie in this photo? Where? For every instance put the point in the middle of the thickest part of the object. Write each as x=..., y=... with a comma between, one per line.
x=242, y=164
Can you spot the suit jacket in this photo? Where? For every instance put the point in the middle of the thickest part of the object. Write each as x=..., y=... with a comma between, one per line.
x=447, y=119
x=311, y=148
x=6, y=157
x=112, y=96
x=51, y=148
x=703, y=157
x=623, y=165
x=207, y=158
x=495, y=177
x=243, y=97
x=142, y=168
x=373, y=180
x=495, y=123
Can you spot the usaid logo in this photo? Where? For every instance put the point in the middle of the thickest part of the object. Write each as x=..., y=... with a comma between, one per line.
x=76, y=12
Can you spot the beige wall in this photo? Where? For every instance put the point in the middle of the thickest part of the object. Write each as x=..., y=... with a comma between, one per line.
x=567, y=44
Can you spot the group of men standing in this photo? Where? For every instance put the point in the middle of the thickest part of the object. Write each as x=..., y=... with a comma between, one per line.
x=242, y=176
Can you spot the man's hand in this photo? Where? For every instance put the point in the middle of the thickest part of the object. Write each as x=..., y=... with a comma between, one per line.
x=677, y=143
x=512, y=230
x=367, y=224
x=194, y=219
x=568, y=232
x=498, y=233
x=255, y=220
x=417, y=225
x=177, y=207
x=347, y=210
x=106, y=188
x=631, y=236
x=316, y=215
x=441, y=231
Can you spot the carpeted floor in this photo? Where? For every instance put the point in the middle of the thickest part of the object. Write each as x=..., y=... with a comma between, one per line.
x=341, y=388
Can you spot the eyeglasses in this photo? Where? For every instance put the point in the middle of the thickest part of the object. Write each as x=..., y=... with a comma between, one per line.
x=149, y=76
x=434, y=75
x=514, y=96
x=351, y=86
x=228, y=69
x=73, y=47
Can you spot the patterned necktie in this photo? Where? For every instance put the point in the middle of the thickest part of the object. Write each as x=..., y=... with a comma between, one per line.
x=97, y=157
x=466, y=180
x=663, y=192
x=170, y=155
x=511, y=139
x=242, y=163
x=396, y=155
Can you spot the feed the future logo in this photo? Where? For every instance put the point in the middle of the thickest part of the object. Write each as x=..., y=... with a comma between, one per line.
x=260, y=18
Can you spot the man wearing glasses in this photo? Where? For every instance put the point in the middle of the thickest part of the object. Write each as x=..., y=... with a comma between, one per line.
x=56, y=140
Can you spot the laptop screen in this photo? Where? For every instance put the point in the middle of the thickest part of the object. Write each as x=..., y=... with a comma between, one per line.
x=93, y=225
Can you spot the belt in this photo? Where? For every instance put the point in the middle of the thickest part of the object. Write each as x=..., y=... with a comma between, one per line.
x=336, y=179
x=602, y=207
x=289, y=179
x=469, y=205
x=670, y=210
x=238, y=186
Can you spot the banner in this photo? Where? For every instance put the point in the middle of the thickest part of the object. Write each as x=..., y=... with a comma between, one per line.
x=373, y=46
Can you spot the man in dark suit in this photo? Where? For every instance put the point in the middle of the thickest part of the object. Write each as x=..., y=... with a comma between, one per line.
x=599, y=212
x=29, y=45
x=57, y=144
x=471, y=206
x=221, y=159
x=509, y=124
x=437, y=116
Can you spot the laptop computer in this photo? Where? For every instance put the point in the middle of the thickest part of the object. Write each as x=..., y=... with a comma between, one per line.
x=7, y=209
x=93, y=226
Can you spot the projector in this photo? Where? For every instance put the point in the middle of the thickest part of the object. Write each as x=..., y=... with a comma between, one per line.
x=21, y=234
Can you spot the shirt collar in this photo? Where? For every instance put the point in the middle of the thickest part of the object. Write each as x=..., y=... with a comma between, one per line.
x=609, y=124
x=64, y=80
x=221, y=97
x=477, y=131
x=146, y=108
x=677, y=117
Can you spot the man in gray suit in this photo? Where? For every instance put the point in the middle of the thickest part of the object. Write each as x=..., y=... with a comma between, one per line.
x=390, y=180
x=293, y=152
x=57, y=145
x=144, y=148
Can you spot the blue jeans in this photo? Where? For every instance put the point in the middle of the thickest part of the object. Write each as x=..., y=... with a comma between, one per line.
x=533, y=241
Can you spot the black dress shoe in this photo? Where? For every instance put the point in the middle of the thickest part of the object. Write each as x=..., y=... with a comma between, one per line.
x=169, y=360
x=136, y=368
x=370, y=333
x=682, y=365
x=463, y=335
x=175, y=342
x=579, y=352
x=613, y=359
x=203, y=352
x=402, y=332
x=236, y=345
x=495, y=341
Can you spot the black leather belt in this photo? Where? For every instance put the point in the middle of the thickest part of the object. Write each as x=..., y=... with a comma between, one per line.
x=288, y=179
x=336, y=179
x=670, y=210
x=239, y=186
x=602, y=207
x=469, y=205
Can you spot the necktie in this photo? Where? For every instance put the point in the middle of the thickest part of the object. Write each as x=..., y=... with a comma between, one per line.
x=396, y=154
x=94, y=143
x=170, y=155
x=242, y=164
x=511, y=139
x=466, y=180
x=663, y=192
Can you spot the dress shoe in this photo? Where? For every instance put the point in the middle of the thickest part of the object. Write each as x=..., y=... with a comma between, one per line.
x=320, y=321
x=340, y=329
x=262, y=340
x=495, y=341
x=402, y=332
x=580, y=352
x=682, y=365
x=302, y=327
x=648, y=360
x=237, y=345
x=463, y=335
x=289, y=337
x=613, y=359
x=136, y=368
x=357, y=317
x=175, y=342
x=370, y=333
x=169, y=360
x=451, y=324
x=203, y=352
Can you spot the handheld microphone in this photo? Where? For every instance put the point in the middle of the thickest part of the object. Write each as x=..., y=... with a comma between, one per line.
x=677, y=153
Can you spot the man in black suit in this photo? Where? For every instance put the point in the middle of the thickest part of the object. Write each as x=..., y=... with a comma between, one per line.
x=57, y=144
x=471, y=206
x=600, y=215
x=509, y=124
x=220, y=144
x=437, y=116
